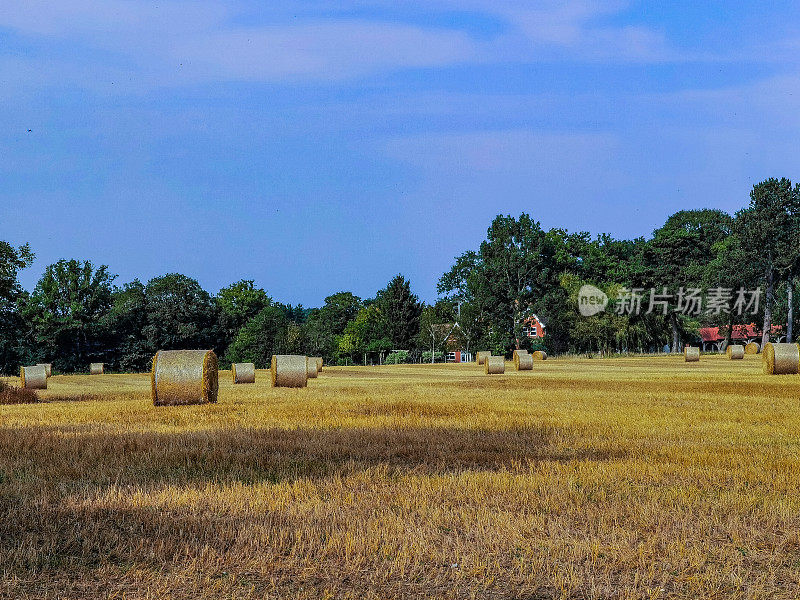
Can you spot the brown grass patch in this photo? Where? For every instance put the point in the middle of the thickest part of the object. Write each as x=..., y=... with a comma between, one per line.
x=10, y=394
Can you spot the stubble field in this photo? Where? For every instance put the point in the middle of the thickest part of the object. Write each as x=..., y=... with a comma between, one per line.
x=622, y=478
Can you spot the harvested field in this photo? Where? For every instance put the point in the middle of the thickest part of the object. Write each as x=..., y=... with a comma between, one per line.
x=615, y=478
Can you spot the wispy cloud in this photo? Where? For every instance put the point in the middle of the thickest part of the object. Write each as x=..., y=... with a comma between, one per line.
x=204, y=42
x=576, y=30
x=179, y=42
x=337, y=50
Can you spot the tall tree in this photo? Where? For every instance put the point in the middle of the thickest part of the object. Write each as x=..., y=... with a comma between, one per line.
x=400, y=311
x=731, y=267
x=237, y=304
x=365, y=334
x=514, y=267
x=517, y=259
x=12, y=324
x=326, y=324
x=678, y=256
x=12, y=261
x=470, y=329
x=437, y=323
x=180, y=314
x=125, y=323
x=67, y=311
x=261, y=337
x=769, y=229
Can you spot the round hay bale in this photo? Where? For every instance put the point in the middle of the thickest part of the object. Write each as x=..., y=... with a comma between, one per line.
x=515, y=357
x=691, y=354
x=735, y=351
x=182, y=377
x=539, y=355
x=524, y=362
x=33, y=377
x=47, y=366
x=481, y=355
x=311, y=367
x=289, y=370
x=319, y=364
x=495, y=365
x=243, y=372
x=96, y=368
x=781, y=359
x=752, y=348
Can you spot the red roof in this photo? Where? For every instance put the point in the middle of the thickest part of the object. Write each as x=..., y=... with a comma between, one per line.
x=740, y=332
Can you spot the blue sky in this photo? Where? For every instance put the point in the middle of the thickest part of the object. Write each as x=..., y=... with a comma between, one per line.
x=325, y=146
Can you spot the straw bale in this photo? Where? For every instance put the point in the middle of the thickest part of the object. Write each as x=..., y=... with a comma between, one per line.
x=735, y=351
x=481, y=355
x=184, y=377
x=691, y=354
x=288, y=370
x=780, y=359
x=33, y=377
x=243, y=372
x=752, y=348
x=96, y=368
x=495, y=365
x=311, y=367
x=524, y=362
x=319, y=364
x=539, y=355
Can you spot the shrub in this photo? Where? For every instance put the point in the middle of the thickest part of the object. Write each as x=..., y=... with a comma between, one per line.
x=396, y=358
x=536, y=345
x=10, y=394
x=438, y=357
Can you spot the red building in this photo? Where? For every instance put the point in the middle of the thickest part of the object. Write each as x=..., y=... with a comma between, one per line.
x=533, y=327
x=713, y=338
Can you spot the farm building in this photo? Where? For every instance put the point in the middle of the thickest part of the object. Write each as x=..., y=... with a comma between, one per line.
x=533, y=327
x=455, y=351
x=712, y=339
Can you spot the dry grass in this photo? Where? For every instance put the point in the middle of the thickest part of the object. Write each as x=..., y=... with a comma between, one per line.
x=11, y=394
x=619, y=478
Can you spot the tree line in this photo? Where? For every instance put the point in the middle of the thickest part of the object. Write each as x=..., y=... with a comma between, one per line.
x=76, y=314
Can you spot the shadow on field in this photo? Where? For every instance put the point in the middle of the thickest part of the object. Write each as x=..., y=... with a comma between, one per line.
x=55, y=455
x=59, y=551
x=48, y=536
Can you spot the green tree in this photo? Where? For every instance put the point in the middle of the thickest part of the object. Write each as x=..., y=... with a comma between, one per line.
x=399, y=311
x=769, y=229
x=13, y=329
x=469, y=330
x=296, y=314
x=514, y=267
x=678, y=256
x=237, y=304
x=125, y=323
x=12, y=261
x=437, y=322
x=364, y=334
x=261, y=337
x=180, y=315
x=325, y=325
x=731, y=267
x=67, y=311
